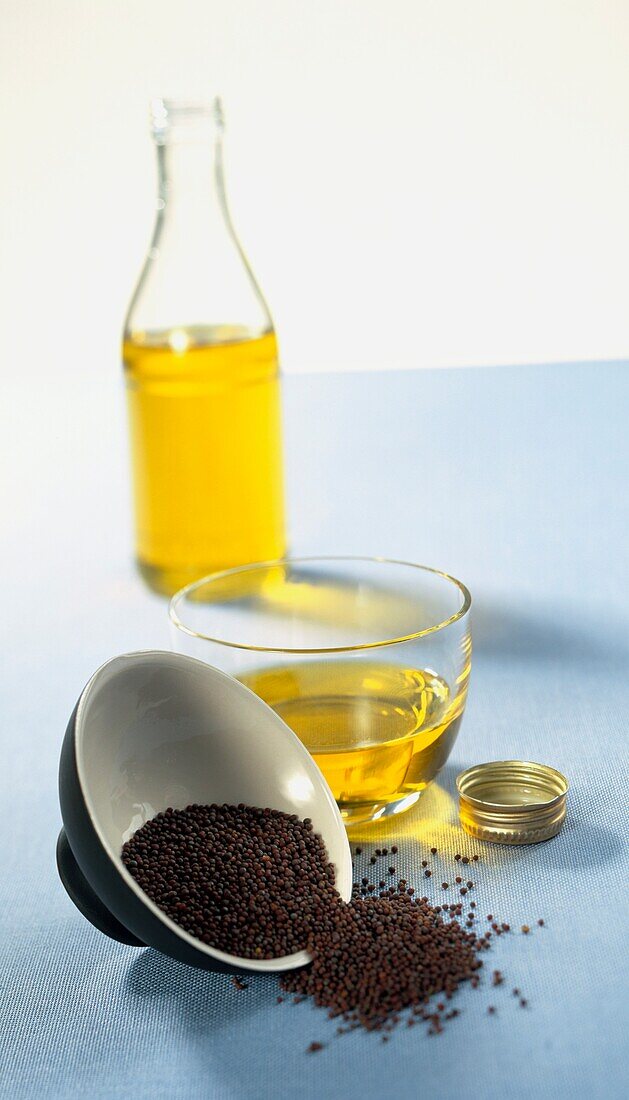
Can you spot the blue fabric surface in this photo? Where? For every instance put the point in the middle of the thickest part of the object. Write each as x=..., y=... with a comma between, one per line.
x=515, y=481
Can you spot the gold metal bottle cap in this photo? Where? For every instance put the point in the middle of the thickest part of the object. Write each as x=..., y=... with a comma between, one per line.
x=512, y=801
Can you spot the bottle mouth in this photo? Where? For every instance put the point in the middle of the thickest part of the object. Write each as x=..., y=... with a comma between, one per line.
x=185, y=120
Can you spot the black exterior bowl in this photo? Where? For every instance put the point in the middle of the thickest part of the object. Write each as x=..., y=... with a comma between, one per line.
x=152, y=730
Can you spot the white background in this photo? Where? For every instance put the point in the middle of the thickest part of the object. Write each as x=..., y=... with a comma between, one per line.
x=417, y=183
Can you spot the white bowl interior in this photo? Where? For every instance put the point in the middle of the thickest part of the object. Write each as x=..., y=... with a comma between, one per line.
x=160, y=729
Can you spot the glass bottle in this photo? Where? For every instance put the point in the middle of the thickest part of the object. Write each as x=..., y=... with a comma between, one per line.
x=202, y=373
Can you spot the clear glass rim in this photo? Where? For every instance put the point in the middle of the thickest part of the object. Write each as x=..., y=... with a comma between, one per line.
x=252, y=567
x=167, y=113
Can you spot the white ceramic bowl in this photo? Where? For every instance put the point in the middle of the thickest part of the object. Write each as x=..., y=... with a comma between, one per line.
x=158, y=729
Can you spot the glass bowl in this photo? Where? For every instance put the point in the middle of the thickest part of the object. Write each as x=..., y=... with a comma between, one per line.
x=366, y=659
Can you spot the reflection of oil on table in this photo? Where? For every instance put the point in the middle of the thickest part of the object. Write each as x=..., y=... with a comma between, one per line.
x=515, y=481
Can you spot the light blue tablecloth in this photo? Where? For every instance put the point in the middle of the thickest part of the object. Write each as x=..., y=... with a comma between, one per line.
x=514, y=480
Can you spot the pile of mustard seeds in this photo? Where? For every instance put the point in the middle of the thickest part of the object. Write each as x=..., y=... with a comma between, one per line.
x=258, y=884
x=252, y=882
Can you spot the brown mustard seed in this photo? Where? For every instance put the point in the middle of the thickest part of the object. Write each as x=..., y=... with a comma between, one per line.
x=523, y=1002
x=314, y=1047
x=434, y=851
x=491, y=1010
x=358, y=851
x=444, y=886
x=541, y=923
x=258, y=883
x=246, y=880
x=525, y=929
x=413, y=954
x=394, y=848
x=457, y=857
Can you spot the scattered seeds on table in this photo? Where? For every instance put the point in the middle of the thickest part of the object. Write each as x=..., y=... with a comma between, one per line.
x=257, y=883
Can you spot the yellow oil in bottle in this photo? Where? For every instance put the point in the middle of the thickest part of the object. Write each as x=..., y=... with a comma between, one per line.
x=204, y=412
x=379, y=732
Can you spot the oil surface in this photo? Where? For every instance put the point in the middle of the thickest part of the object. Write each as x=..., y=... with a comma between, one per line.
x=204, y=411
x=378, y=732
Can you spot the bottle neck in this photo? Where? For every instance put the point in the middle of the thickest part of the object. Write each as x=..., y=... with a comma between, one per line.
x=190, y=179
x=196, y=272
